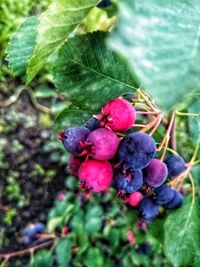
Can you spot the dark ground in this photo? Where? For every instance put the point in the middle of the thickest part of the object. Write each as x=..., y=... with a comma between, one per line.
x=30, y=171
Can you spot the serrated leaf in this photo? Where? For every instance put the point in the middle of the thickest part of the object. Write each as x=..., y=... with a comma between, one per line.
x=21, y=45
x=63, y=252
x=160, y=40
x=54, y=28
x=89, y=74
x=182, y=234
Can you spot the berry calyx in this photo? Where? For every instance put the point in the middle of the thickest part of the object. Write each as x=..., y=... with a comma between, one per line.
x=118, y=115
x=72, y=139
x=96, y=175
x=101, y=144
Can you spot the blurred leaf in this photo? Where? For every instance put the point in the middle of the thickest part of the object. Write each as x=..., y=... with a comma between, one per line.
x=21, y=45
x=42, y=258
x=194, y=122
x=96, y=20
x=55, y=26
x=94, y=258
x=182, y=234
x=160, y=40
x=93, y=219
x=63, y=252
x=156, y=229
x=88, y=74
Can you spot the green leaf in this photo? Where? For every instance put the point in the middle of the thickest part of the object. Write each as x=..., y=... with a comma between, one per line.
x=94, y=219
x=182, y=234
x=89, y=74
x=194, y=122
x=42, y=258
x=55, y=26
x=69, y=117
x=160, y=40
x=63, y=252
x=21, y=45
x=94, y=258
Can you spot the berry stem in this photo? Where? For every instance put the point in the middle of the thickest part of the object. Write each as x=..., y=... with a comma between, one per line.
x=167, y=134
x=150, y=125
x=139, y=125
x=164, y=150
x=26, y=251
x=193, y=187
x=173, y=135
x=195, y=153
x=146, y=99
x=156, y=125
x=187, y=114
x=148, y=112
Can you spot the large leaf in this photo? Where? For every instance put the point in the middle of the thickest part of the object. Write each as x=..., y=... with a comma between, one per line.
x=89, y=74
x=63, y=252
x=160, y=40
x=194, y=122
x=21, y=45
x=54, y=28
x=42, y=258
x=182, y=234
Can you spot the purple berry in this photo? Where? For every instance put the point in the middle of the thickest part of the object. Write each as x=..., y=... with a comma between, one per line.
x=101, y=144
x=128, y=181
x=175, y=165
x=72, y=139
x=176, y=201
x=40, y=227
x=136, y=150
x=93, y=124
x=27, y=241
x=155, y=173
x=74, y=164
x=148, y=209
x=144, y=248
x=163, y=194
x=30, y=231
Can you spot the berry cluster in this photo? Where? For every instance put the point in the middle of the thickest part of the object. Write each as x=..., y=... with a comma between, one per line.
x=31, y=233
x=100, y=156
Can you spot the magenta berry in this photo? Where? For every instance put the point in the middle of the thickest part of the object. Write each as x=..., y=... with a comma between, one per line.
x=101, y=144
x=134, y=199
x=118, y=115
x=74, y=164
x=96, y=175
x=155, y=173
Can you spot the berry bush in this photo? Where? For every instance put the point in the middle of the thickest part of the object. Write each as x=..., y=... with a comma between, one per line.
x=130, y=126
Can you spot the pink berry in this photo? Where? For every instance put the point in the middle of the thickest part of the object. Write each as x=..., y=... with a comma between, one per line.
x=118, y=115
x=74, y=164
x=134, y=199
x=96, y=175
x=131, y=238
x=101, y=144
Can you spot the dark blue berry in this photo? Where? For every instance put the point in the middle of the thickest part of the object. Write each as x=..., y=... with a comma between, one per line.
x=129, y=95
x=136, y=150
x=128, y=181
x=30, y=231
x=175, y=165
x=163, y=194
x=27, y=241
x=144, y=248
x=104, y=3
x=176, y=201
x=93, y=124
x=72, y=139
x=148, y=209
x=40, y=227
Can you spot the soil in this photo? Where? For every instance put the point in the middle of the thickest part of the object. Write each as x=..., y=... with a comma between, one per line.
x=25, y=159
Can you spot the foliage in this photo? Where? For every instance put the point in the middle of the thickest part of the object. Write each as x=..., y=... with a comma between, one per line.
x=92, y=60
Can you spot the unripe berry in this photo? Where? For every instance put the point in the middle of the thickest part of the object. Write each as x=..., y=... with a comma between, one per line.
x=118, y=114
x=96, y=175
x=134, y=199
